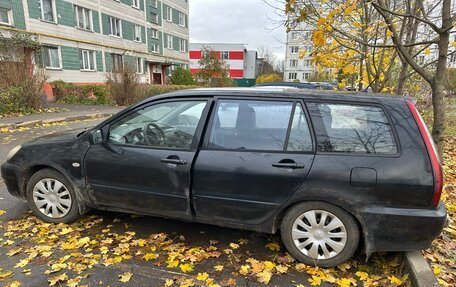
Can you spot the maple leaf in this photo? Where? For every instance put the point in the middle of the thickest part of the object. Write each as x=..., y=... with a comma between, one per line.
x=281, y=269
x=74, y=282
x=394, y=280
x=186, y=267
x=202, y=276
x=125, y=277
x=6, y=274
x=218, y=267
x=22, y=263
x=13, y=252
x=264, y=276
x=234, y=245
x=244, y=270
x=362, y=275
x=56, y=268
x=150, y=256
x=59, y=278
x=273, y=246
x=169, y=282
x=13, y=284
x=2, y=212
x=346, y=282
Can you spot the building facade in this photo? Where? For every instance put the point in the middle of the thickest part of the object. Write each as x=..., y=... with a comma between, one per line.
x=84, y=39
x=298, y=65
x=242, y=63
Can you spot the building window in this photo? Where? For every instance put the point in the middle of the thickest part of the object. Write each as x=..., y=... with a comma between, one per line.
x=307, y=63
x=51, y=57
x=154, y=33
x=5, y=17
x=182, y=45
x=83, y=18
x=294, y=35
x=139, y=66
x=294, y=49
x=87, y=60
x=306, y=76
x=307, y=35
x=169, y=43
x=115, y=26
x=292, y=76
x=137, y=37
x=154, y=4
x=135, y=4
x=169, y=14
x=225, y=55
x=154, y=17
x=181, y=19
x=117, y=62
x=293, y=63
x=154, y=48
x=308, y=49
x=47, y=10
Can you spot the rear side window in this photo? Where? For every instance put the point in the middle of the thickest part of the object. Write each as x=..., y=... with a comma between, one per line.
x=347, y=128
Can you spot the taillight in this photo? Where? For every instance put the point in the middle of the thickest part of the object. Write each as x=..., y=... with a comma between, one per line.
x=432, y=151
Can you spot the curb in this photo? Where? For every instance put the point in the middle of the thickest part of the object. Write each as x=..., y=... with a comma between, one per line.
x=53, y=121
x=419, y=271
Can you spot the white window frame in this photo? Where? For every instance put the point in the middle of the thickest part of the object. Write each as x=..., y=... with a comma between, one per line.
x=224, y=55
x=305, y=76
x=113, y=55
x=294, y=35
x=135, y=4
x=59, y=58
x=169, y=13
x=181, y=19
x=294, y=63
x=182, y=45
x=154, y=33
x=155, y=48
x=90, y=54
x=168, y=38
x=293, y=76
x=117, y=26
x=294, y=49
x=139, y=66
x=54, y=16
x=9, y=14
x=83, y=18
x=139, y=40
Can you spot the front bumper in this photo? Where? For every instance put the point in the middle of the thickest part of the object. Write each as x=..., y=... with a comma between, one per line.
x=402, y=229
x=11, y=175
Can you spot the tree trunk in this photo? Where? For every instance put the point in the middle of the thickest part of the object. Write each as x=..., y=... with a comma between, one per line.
x=438, y=104
x=401, y=79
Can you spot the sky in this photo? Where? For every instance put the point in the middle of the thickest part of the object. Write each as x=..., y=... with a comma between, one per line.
x=250, y=22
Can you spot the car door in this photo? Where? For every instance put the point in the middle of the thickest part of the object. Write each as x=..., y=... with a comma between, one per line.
x=255, y=155
x=145, y=164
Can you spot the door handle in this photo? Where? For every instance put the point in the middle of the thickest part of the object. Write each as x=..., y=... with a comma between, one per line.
x=176, y=161
x=292, y=165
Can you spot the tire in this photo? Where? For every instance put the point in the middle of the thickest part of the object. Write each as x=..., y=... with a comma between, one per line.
x=324, y=235
x=43, y=200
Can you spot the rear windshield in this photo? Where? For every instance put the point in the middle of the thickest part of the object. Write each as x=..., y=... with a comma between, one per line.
x=346, y=128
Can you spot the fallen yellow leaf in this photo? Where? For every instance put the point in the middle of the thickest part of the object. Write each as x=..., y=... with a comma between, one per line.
x=202, y=276
x=59, y=278
x=125, y=277
x=186, y=267
x=273, y=246
x=218, y=267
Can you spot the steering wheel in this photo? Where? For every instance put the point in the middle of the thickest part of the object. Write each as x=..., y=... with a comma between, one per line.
x=153, y=134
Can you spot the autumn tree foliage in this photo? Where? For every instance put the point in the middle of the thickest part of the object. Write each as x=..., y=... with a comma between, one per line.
x=269, y=78
x=214, y=70
x=381, y=43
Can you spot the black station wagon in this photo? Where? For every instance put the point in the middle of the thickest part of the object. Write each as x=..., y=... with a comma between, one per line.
x=327, y=169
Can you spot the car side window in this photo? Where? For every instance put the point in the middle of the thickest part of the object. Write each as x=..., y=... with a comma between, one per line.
x=300, y=138
x=164, y=125
x=250, y=125
x=352, y=128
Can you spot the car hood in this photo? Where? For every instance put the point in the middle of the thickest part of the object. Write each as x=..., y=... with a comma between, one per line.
x=64, y=136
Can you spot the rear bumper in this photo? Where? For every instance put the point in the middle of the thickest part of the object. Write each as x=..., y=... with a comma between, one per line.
x=11, y=175
x=402, y=229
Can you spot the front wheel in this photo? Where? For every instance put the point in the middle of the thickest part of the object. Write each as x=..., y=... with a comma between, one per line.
x=51, y=197
x=320, y=234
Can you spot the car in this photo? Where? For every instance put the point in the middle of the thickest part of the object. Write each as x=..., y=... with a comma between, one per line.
x=298, y=85
x=328, y=170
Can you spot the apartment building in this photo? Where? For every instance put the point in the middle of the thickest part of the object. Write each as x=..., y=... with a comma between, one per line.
x=299, y=41
x=243, y=64
x=84, y=39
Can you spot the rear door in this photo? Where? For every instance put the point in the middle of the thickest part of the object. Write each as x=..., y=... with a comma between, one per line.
x=255, y=155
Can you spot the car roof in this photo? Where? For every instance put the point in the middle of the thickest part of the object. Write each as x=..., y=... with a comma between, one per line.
x=283, y=92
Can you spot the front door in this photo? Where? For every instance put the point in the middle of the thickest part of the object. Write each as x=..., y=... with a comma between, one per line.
x=145, y=165
x=256, y=154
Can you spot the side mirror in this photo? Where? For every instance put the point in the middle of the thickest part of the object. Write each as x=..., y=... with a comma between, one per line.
x=96, y=137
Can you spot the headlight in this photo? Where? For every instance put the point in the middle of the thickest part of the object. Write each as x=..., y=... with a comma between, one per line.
x=13, y=152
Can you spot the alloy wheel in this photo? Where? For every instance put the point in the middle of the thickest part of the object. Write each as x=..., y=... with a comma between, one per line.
x=52, y=198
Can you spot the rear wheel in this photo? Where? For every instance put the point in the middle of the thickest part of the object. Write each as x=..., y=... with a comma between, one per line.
x=51, y=197
x=321, y=234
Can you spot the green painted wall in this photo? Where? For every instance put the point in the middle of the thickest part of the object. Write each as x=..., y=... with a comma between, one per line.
x=105, y=23
x=176, y=46
x=96, y=21
x=99, y=58
x=65, y=13
x=127, y=30
x=130, y=2
x=71, y=58
x=17, y=10
x=150, y=10
x=34, y=7
x=154, y=41
x=108, y=62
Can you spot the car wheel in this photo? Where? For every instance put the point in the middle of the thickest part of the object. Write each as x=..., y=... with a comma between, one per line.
x=320, y=234
x=51, y=197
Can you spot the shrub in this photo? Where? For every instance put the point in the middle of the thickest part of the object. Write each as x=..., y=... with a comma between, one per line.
x=182, y=76
x=124, y=86
x=69, y=93
x=20, y=88
x=268, y=78
x=154, y=90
